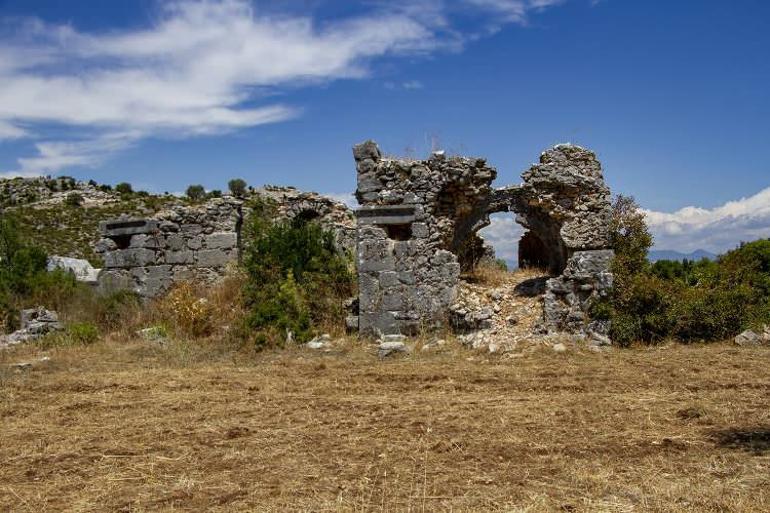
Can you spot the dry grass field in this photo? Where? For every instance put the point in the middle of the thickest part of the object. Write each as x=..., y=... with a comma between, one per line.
x=133, y=427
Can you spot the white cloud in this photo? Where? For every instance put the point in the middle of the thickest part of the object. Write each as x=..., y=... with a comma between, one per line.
x=513, y=11
x=11, y=131
x=203, y=67
x=717, y=229
x=53, y=156
x=503, y=234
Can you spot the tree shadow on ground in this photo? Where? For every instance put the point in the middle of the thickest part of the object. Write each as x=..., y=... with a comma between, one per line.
x=755, y=440
x=532, y=287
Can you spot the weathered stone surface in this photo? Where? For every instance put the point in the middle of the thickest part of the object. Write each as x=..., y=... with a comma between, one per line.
x=751, y=338
x=35, y=323
x=389, y=348
x=221, y=240
x=420, y=219
x=180, y=257
x=212, y=258
x=82, y=269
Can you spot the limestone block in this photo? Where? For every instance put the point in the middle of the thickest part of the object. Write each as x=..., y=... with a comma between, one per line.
x=366, y=150
x=212, y=258
x=180, y=257
x=104, y=245
x=146, y=241
x=192, y=229
x=221, y=240
x=195, y=242
x=132, y=257
x=392, y=300
x=389, y=279
x=375, y=256
x=175, y=242
x=369, y=290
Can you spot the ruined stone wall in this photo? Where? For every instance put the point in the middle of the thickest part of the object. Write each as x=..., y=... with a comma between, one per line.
x=418, y=225
x=195, y=243
x=184, y=243
x=565, y=204
x=407, y=232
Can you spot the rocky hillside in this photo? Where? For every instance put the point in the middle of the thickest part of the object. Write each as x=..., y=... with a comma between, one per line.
x=62, y=215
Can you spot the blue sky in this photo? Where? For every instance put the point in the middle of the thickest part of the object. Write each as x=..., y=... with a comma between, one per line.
x=673, y=96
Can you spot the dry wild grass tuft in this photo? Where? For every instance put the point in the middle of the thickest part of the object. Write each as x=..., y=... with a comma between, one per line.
x=133, y=426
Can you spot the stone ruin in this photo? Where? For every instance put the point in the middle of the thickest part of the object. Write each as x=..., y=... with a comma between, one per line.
x=196, y=243
x=418, y=225
x=184, y=243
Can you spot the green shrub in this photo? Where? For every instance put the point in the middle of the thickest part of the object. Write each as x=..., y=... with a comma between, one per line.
x=82, y=333
x=688, y=301
x=296, y=278
x=24, y=281
x=74, y=200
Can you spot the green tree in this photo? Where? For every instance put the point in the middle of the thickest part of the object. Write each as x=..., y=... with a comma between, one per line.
x=237, y=187
x=23, y=274
x=124, y=188
x=195, y=192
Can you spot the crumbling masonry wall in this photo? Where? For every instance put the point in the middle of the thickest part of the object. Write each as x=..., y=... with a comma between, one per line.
x=185, y=243
x=408, y=235
x=418, y=224
x=196, y=243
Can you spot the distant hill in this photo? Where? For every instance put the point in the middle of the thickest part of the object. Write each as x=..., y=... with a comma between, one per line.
x=666, y=254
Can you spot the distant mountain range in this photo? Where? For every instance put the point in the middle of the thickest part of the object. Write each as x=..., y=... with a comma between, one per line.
x=667, y=254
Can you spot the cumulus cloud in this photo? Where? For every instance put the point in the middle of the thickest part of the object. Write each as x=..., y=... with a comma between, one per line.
x=717, y=229
x=503, y=234
x=691, y=228
x=203, y=67
x=53, y=156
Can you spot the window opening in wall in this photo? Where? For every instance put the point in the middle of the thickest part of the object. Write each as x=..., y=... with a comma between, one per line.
x=122, y=241
x=399, y=231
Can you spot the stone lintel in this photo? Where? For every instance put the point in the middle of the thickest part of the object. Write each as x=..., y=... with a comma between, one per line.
x=386, y=214
x=122, y=227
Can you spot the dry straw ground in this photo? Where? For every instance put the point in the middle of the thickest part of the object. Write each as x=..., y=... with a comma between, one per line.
x=134, y=427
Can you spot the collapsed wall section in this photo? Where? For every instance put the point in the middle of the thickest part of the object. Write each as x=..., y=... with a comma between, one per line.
x=332, y=215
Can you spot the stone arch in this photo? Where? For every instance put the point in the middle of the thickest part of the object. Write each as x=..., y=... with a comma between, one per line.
x=403, y=281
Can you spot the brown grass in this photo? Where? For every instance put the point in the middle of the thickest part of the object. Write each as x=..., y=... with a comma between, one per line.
x=196, y=427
